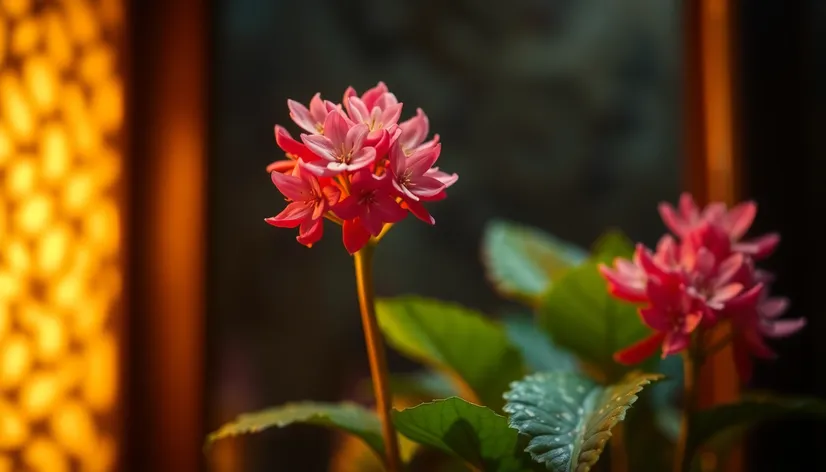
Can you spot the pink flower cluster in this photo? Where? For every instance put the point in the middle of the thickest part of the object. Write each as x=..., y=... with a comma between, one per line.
x=702, y=275
x=355, y=164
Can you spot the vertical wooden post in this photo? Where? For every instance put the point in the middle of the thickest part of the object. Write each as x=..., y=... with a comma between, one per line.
x=168, y=169
x=711, y=158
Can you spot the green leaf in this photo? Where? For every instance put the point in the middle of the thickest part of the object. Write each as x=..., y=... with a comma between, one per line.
x=425, y=384
x=537, y=349
x=568, y=417
x=473, y=433
x=453, y=339
x=521, y=261
x=612, y=244
x=753, y=408
x=580, y=315
x=347, y=417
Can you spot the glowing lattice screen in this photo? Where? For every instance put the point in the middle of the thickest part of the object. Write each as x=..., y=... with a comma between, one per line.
x=61, y=112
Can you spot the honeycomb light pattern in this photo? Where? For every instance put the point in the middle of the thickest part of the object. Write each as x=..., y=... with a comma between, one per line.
x=61, y=115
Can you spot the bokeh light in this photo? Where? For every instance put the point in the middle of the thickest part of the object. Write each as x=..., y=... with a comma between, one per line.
x=61, y=112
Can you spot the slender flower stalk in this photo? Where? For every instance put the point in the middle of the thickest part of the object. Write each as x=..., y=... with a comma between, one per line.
x=376, y=354
x=358, y=167
x=691, y=366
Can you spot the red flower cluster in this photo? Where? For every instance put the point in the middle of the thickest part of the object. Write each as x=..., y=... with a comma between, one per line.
x=357, y=166
x=703, y=276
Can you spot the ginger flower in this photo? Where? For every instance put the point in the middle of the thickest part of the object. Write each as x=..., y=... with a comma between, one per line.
x=357, y=166
x=703, y=276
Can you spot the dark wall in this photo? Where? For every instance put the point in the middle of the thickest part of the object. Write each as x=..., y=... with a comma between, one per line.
x=783, y=91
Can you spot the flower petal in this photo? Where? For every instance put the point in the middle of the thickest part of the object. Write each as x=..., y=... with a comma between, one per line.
x=729, y=268
x=348, y=208
x=760, y=247
x=318, y=110
x=424, y=186
x=345, y=99
x=321, y=168
x=688, y=208
x=310, y=232
x=284, y=166
x=773, y=307
x=372, y=222
x=363, y=158
x=335, y=129
x=655, y=318
x=331, y=194
x=291, y=146
x=397, y=159
x=647, y=262
x=385, y=101
x=674, y=342
x=640, y=351
x=301, y=116
x=419, y=211
x=358, y=111
x=370, y=97
x=724, y=294
x=671, y=219
x=354, y=138
x=445, y=178
x=746, y=300
x=703, y=263
x=422, y=160
x=715, y=213
x=740, y=218
x=390, y=115
x=319, y=209
x=625, y=283
x=321, y=146
x=783, y=328
x=414, y=130
x=354, y=235
x=292, y=215
x=294, y=188
x=691, y=321
x=387, y=209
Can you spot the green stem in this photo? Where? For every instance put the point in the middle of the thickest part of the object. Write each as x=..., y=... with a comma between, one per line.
x=376, y=355
x=691, y=366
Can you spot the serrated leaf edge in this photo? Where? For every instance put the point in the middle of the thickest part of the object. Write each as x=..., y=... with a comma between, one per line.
x=617, y=415
x=228, y=430
x=444, y=400
x=645, y=379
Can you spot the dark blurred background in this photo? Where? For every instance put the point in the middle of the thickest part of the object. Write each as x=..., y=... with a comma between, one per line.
x=558, y=114
x=561, y=114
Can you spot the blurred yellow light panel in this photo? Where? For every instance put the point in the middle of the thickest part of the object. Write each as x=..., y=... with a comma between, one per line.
x=61, y=114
